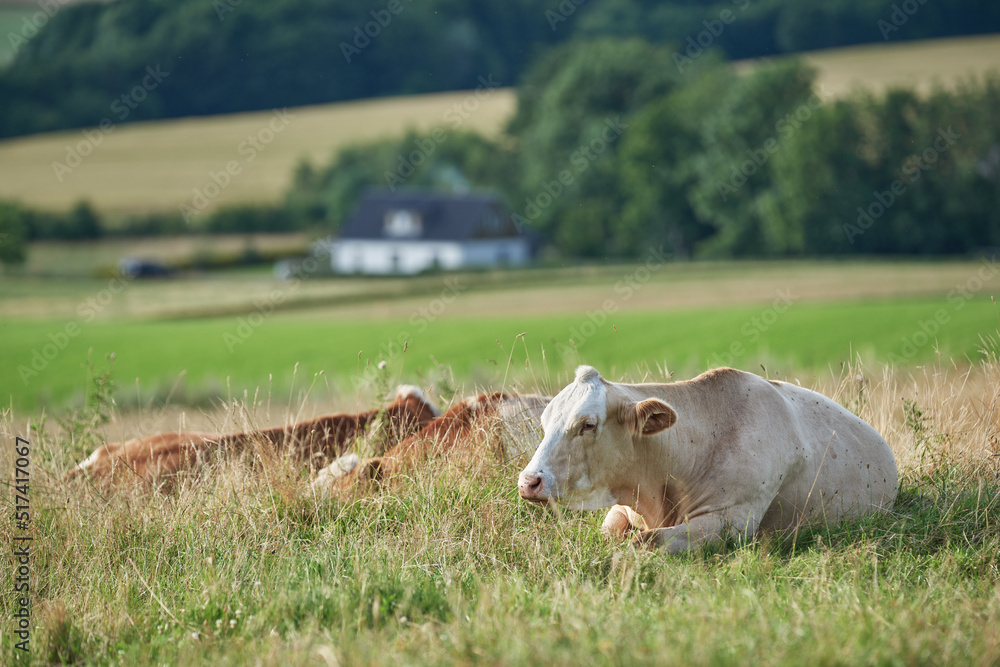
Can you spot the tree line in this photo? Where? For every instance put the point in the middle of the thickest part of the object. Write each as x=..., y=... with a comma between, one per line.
x=19, y=225
x=89, y=63
x=612, y=149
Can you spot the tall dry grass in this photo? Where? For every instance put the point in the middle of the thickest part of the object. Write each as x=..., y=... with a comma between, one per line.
x=243, y=563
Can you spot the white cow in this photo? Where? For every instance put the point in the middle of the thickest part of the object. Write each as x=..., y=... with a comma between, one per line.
x=687, y=461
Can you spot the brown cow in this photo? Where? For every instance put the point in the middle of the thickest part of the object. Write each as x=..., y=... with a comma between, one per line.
x=326, y=437
x=508, y=422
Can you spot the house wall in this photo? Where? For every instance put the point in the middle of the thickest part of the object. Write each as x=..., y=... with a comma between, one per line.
x=410, y=257
x=498, y=252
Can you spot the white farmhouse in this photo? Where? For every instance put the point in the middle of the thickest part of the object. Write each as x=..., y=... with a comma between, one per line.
x=409, y=232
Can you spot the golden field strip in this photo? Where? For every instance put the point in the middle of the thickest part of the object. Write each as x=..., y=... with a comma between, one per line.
x=152, y=166
x=494, y=293
x=142, y=167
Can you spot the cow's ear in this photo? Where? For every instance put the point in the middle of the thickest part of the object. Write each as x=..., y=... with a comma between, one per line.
x=648, y=417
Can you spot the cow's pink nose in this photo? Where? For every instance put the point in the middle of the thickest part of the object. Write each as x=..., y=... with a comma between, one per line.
x=530, y=486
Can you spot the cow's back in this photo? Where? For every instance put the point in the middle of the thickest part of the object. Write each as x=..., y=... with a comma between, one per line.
x=843, y=469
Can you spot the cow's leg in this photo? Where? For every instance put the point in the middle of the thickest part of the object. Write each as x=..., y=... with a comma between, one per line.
x=336, y=471
x=704, y=529
x=620, y=520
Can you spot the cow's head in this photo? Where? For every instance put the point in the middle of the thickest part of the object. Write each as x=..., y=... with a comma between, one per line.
x=591, y=429
x=412, y=398
x=408, y=413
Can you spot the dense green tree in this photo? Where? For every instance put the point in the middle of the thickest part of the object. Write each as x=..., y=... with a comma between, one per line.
x=612, y=150
x=13, y=234
x=755, y=28
x=657, y=164
x=574, y=109
x=970, y=181
x=82, y=222
x=249, y=218
x=819, y=177
x=895, y=175
x=442, y=159
x=753, y=120
x=141, y=59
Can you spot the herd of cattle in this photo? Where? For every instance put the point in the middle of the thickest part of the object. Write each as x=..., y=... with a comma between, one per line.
x=684, y=462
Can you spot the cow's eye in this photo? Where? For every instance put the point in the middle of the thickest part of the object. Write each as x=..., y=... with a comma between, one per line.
x=587, y=426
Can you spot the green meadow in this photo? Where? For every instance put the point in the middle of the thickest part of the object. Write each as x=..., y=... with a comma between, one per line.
x=245, y=562
x=197, y=359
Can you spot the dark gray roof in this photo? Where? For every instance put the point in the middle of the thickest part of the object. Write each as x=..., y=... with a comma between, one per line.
x=443, y=216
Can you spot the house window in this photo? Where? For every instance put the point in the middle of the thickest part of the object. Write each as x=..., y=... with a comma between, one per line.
x=402, y=223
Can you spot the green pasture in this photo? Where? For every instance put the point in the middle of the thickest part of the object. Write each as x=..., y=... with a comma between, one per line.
x=245, y=564
x=44, y=363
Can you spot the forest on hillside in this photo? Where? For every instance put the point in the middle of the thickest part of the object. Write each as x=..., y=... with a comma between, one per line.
x=201, y=57
x=612, y=150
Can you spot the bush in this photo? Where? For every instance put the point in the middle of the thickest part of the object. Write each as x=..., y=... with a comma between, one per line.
x=13, y=233
x=81, y=222
x=250, y=218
